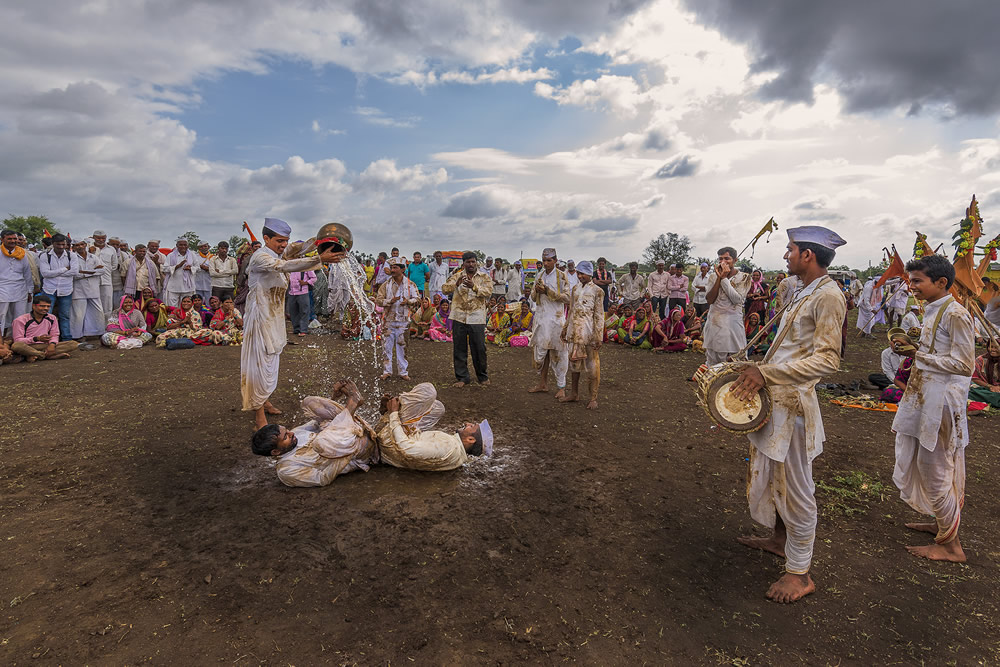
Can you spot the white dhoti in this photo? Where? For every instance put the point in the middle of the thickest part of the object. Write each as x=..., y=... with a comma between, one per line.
x=786, y=490
x=395, y=339
x=724, y=335
x=866, y=317
x=258, y=373
x=10, y=310
x=87, y=318
x=933, y=482
x=558, y=362
x=173, y=299
x=107, y=298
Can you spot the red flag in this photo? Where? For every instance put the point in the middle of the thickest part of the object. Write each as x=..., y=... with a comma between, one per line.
x=896, y=270
x=46, y=233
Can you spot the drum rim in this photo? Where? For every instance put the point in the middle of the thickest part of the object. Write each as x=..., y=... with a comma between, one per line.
x=756, y=424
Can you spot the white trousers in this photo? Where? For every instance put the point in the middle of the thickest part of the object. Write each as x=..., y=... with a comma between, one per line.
x=107, y=298
x=932, y=483
x=558, y=362
x=713, y=357
x=173, y=299
x=865, y=319
x=258, y=373
x=8, y=311
x=395, y=339
x=786, y=490
x=86, y=318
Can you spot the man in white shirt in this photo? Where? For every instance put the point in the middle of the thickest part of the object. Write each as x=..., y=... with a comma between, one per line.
x=724, y=332
x=499, y=277
x=15, y=280
x=896, y=305
x=222, y=270
x=659, y=292
x=87, y=318
x=438, y=274
x=700, y=286
x=397, y=296
x=108, y=259
x=179, y=270
x=203, y=278
x=551, y=294
x=141, y=273
x=515, y=279
x=58, y=267
x=118, y=277
x=571, y=277
x=890, y=362
x=912, y=318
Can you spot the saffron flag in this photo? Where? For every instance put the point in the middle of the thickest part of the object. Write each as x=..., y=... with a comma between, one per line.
x=896, y=269
x=46, y=233
x=253, y=239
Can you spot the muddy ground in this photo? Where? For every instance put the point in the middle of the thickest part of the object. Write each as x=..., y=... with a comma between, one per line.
x=137, y=527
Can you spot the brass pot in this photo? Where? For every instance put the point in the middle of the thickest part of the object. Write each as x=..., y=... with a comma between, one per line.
x=334, y=233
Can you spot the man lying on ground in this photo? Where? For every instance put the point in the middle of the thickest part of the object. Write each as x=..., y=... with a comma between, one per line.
x=335, y=442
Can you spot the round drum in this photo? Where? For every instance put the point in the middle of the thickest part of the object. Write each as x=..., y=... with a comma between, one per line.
x=712, y=386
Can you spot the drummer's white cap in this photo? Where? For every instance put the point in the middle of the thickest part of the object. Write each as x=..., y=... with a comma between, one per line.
x=821, y=236
x=278, y=226
x=487, y=433
x=585, y=267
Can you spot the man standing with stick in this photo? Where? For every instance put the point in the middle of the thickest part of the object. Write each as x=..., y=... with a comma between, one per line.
x=471, y=288
x=264, y=335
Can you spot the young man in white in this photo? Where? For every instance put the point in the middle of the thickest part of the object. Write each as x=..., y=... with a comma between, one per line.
x=930, y=424
x=109, y=259
x=15, y=280
x=724, y=334
x=780, y=488
x=87, y=317
x=264, y=336
x=179, y=269
x=551, y=294
x=912, y=318
x=397, y=296
x=439, y=271
x=584, y=332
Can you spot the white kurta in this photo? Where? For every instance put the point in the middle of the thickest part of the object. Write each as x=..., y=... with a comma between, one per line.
x=931, y=427
x=16, y=283
x=264, y=334
x=438, y=274
x=178, y=282
x=87, y=316
x=585, y=328
x=724, y=333
x=550, y=316
x=109, y=258
x=419, y=450
x=514, y=292
x=910, y=320
x=807, y=348
x=203, y=278
x=865, y=310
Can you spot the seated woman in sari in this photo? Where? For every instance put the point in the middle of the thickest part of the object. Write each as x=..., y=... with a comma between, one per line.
x=651, y=315
x=986, y=376
x=624, y=322
x=520, y=324
x=440, y=330
x=185, y=322
x=227, y=324
x=692, y=323
x=145, y=296
x=676, y=339
x=638, y=331
x=156, y=316
x=894, y=392
x=496, y=322
x=611, y=322
x=420, y=320
x=199, y=307
x=125, y=323
x=753, y=327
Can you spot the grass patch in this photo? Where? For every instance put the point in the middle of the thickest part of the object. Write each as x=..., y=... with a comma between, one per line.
x=850, y=493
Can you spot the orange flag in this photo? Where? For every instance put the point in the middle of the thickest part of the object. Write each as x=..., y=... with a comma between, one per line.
x=247, y=228
x=964, y=240
x=46, y=234
x=896, y=270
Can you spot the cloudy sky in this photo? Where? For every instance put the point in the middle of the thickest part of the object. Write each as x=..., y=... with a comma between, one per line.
x=505, y=125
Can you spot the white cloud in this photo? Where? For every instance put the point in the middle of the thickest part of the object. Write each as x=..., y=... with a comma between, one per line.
x=492, y=76
x=384, y=174
x=376, y=116
x=325, y=132
x=620, y=94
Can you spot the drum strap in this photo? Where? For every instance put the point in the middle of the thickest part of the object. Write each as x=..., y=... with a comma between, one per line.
x=937, y=321
x=784, y=330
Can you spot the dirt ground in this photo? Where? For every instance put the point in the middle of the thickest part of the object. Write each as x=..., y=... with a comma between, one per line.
x=138, y=527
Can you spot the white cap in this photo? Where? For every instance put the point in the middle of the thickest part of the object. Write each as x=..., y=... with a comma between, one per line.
x=821, y=236
x=99, y=232
x=585, y=267
x=278, y=226
x=487, y=433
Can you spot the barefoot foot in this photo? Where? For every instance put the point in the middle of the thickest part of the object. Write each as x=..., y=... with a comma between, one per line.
x=771, y=544
x=930, y=527
x=270, y=409
x=561, y=394
x=539, y=389
x=459, y=384
x=951, y=552
x=568, y=398
x=592, y=405
x=791, y=587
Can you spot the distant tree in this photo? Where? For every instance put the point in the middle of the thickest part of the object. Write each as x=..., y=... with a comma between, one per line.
x=704, y=260
x=192, y=238
x=32, y=226
x=747, y=266
x=236, y=242
x=481, y=255
x=672, y=248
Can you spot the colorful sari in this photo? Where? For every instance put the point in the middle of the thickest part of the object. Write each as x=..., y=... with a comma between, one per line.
x=520, y=325
x=122, y=321
x=190, y=327
x=637, y=335
x=156, y=323
x=228, y=328
x=440, y=330
x=892, y=393
x=497, y=321
x=420, y=321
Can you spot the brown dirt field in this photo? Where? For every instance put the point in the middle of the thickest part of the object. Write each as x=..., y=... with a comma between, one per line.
x=137, y=527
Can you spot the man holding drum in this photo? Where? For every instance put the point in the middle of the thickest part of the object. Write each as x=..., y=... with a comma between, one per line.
x=780, y=487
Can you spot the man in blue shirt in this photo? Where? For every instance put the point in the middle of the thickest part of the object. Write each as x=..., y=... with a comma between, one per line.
x=417, y=272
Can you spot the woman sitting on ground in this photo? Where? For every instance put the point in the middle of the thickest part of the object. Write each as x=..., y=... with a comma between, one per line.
x=986, y=377
x=624, y=322
x=199, y=306
x=126, y=323
x=637, y=334
x=753, y=327
x=520, y=324
x=676, y=340
x=496, y=322
x=156, y=316
x=440, y=330
x=692, y=323
x=610, y=321
x=227, y=324
x=420, y=320
x=894, y=392
x=145, y=297
x=185, y=322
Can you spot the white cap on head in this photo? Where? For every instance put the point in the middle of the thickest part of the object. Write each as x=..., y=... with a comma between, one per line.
x=396, y=261
x=548, y=253
x=585, y=267
x=487, y=433
x=278, y=226
x=660, y=262
x=821, y=236
x=99, y=232
x=114, y=238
